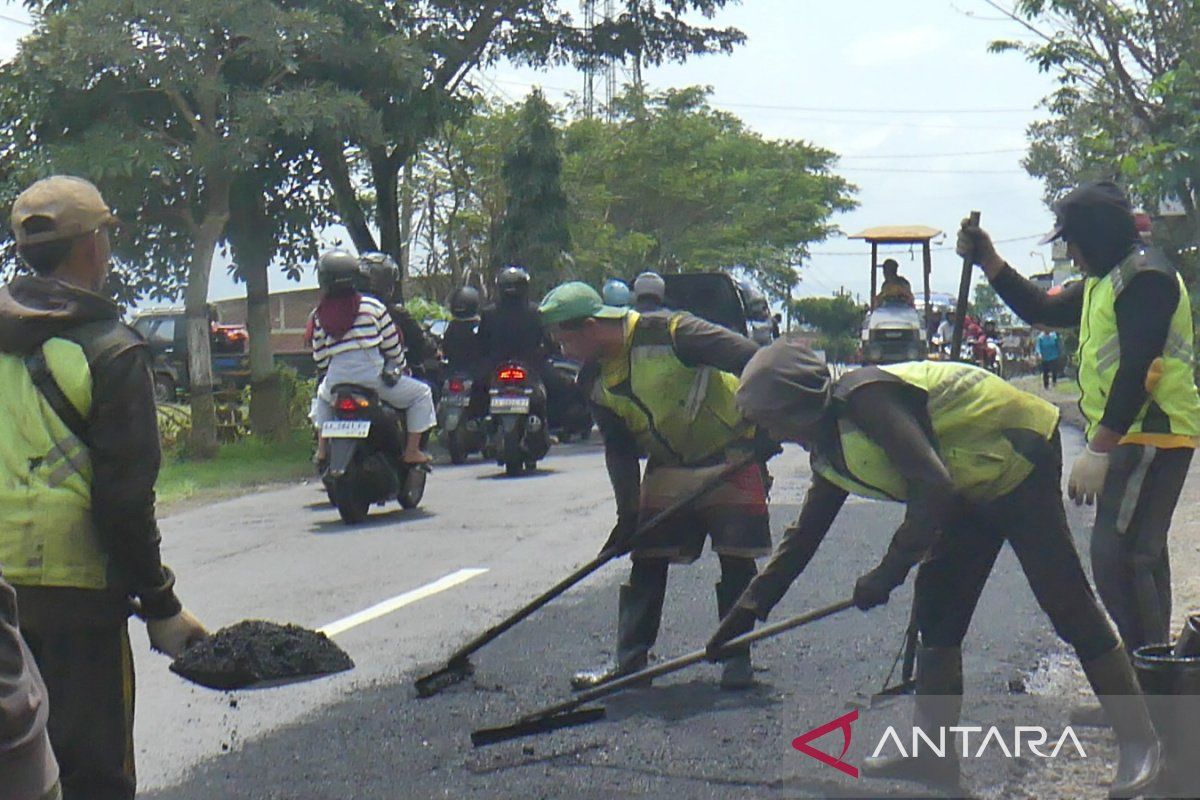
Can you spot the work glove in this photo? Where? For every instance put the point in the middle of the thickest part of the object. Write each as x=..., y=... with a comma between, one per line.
x=175, y=634
x=875, y=587
x=975, y=243
x=622, y=534
x=1087, y=476
x=738, y=621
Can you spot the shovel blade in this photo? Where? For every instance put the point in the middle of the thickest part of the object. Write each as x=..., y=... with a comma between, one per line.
x=444, y=678
x=533, y=727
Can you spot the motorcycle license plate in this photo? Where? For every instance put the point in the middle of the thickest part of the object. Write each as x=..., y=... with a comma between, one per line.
x=510, y=405
x=457, y=401
x=346, y=430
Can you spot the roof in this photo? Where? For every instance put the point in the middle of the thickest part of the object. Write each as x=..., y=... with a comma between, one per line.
x=898, y=234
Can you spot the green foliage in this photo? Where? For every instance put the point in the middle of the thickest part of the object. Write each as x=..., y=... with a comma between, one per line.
x=987, y=302
x=835, y=317
x=838, y=349
x=423, y=309
x=533, y=232
x=238, y=468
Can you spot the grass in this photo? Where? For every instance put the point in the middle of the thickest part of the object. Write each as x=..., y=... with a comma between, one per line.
x=238, y=467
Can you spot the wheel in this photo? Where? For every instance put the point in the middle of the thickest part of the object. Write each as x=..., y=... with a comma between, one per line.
x=164, y=389
x=413, y=489
x=454, y=443
x=351, y=505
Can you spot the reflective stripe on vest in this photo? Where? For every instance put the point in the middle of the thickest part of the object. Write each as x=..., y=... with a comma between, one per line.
x=1170, y=416
x=679, y=415
x=986, y=432
x=46, y=533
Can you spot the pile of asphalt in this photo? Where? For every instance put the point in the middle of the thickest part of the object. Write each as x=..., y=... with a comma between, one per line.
x=255, y=652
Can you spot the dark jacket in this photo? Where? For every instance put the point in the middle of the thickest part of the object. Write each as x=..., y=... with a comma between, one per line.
x=512, y=331
x=123, y=441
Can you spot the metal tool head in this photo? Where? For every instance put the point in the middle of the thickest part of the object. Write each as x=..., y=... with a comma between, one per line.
x=881, y=698
x=449, y=675
x=535, y=726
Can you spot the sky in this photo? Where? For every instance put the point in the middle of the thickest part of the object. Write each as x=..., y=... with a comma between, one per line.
x=928, y=124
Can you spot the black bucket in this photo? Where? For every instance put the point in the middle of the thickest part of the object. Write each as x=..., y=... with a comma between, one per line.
x=1164, y=677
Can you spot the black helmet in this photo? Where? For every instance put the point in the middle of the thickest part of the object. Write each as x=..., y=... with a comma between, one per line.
x=338, y=270
x=513, y=283
x=381, y=274
x=464, y=303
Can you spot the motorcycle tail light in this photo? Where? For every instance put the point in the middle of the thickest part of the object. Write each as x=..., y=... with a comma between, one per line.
x=457, y=386
x=511, y=374
x=348, y=404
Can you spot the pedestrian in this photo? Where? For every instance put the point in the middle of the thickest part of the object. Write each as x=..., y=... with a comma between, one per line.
x=977, y=463
x=28, y=770
x=79, y=456
x=662, y=384
x=1049, y=348
x=1138, y=393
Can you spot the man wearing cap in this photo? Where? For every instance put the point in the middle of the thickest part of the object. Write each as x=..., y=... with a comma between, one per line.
x=79, y=456
x=661, y=385
x=977, y=463
x=895, y=286
x=649, y=292
x=1138, y=393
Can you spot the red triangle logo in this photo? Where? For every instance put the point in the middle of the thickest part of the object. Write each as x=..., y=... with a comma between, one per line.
x=842, y=723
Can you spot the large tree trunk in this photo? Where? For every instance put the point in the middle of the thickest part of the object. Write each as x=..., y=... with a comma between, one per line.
x=268, y=418
x=204, y=416
x=406, y=212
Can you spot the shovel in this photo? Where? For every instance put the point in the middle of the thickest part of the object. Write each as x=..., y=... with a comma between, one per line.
x=571, y=713
x=458, y=666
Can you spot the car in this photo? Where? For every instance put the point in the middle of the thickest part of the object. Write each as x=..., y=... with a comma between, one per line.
x=165, y=330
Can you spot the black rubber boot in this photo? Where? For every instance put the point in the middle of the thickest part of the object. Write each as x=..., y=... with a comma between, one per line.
x=736, y=671
x=938, y=706
x=1140, y=758
x=639, y=613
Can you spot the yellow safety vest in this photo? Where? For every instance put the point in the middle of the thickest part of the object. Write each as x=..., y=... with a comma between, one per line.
x=679, y=415
x=47, y=537
x=983, y=428
x=1170, y=417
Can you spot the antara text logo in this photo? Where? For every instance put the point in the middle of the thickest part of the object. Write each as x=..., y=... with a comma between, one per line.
x=974, y=741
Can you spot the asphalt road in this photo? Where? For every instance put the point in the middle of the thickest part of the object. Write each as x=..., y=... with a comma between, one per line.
x=284, y=556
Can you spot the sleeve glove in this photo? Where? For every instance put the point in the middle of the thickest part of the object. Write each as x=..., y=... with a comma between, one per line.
x=175, y=634
x=738, y=621
x=1087, y=476
x=975, y=243
x=622, y=534
x=875, y=587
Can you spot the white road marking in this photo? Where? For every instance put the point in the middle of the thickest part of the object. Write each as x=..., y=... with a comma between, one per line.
x=400, y=601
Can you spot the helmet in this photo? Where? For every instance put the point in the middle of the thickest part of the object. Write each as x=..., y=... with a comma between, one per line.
x=464, y=303
x=338, y=270
x=380, y=273
x=785, y=382
x=650, y=284
x=616, y=293
x=513, y=283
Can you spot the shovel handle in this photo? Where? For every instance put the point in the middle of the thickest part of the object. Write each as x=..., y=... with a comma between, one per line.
x=964, y=289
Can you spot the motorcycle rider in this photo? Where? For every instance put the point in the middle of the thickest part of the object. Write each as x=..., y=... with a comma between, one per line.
x=649, y=292
x=355, y=342
x=382, y=278
x=460, y=344
x=616, y=293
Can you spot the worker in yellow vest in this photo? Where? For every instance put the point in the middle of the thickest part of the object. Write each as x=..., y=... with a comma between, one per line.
x=661, y=386
x=1135, y=362
x=79, y=456
x=977, y=463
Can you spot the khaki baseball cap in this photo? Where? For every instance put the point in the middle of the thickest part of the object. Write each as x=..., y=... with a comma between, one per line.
x=73, y=205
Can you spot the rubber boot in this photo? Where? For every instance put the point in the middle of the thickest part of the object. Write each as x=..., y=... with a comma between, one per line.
x=736, y=671
x=938, y=707
x=639, y=613
x=1140, y=758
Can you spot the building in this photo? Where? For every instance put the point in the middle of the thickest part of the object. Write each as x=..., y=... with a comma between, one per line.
x=289, y=316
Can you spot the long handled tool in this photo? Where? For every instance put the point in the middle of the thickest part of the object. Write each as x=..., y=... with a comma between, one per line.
x=964, y=290
x=570, y=713
x=458, y=666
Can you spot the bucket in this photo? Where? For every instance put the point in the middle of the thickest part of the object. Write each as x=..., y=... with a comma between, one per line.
x=1165, y=678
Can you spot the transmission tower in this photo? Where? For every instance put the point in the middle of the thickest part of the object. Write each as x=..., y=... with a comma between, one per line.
x=589, y=66
x=594, y=67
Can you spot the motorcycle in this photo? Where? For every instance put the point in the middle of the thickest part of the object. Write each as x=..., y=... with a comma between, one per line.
x=518, y=436
x=569, y=413
x=364, y=466
x=460, y=432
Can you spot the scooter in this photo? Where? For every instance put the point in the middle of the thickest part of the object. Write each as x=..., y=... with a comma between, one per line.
x=518, y=436
x=364, y=465
x=460, y=432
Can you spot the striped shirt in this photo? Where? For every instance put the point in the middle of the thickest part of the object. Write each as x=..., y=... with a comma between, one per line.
x=373, y=329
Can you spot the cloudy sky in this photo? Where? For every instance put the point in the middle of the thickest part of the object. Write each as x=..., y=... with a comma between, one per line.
x=929, y=125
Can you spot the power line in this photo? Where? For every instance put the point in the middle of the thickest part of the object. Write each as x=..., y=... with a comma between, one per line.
x=24, y=22
x=830, y=110
x=1013, y=171
x=941, y=249
x=936, y=155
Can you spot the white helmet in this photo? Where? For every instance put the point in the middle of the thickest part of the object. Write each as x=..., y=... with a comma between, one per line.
x=650, y=284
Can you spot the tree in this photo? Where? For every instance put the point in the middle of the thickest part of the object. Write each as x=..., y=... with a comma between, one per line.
x=987, y=302
x=412, y=63
x=839, y=320
x=533, y=232
x=165, y=103
x=1129, y=84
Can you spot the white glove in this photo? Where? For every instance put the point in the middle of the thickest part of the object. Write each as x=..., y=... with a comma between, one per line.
x=175, y=634
x=1087, y=476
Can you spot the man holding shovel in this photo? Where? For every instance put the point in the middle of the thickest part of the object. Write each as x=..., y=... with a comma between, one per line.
x=978, y=463
x=662, y=385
